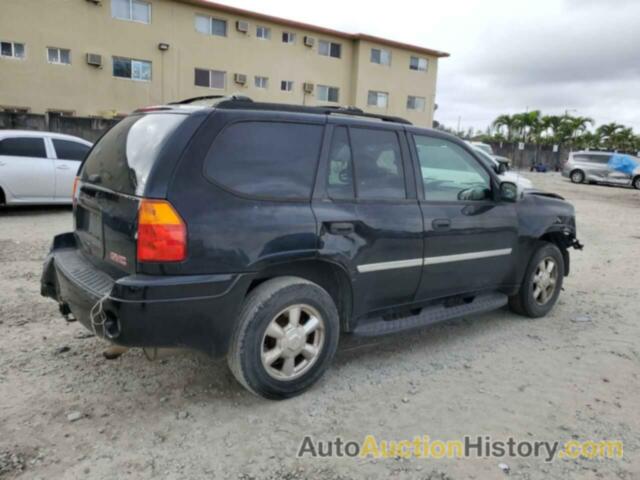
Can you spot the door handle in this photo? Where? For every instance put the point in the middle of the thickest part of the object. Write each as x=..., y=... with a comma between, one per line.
x=2, y=164
x=441, y=224
x=63, y=167
x=341, y=228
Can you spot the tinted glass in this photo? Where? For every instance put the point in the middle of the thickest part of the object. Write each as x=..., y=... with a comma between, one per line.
x=68, y=150
x=6, y=49
x=218, y=27
x=202, y=78
x=450, y=173
x=121, y=67
x=23, y=147
x=122, y=159
x=266, y=159
x=340, y=181
x=379, y=173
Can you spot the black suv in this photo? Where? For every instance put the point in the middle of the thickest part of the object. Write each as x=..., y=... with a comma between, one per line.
x=263, y=231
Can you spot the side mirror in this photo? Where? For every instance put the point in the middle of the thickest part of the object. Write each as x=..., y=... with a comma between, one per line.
x=508, y=192
x=501, y=168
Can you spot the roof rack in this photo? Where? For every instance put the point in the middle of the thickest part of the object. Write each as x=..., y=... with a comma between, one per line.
x=215, y=99
x=240, y=102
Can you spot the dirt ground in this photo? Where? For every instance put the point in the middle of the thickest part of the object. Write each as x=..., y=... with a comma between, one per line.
x=571, y=375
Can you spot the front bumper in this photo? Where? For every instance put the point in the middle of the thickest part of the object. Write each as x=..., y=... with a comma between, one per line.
x=191, y=311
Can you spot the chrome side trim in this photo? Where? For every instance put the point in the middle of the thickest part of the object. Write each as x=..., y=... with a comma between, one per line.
x=466, y=256
x=374, y=267
x=418, y=262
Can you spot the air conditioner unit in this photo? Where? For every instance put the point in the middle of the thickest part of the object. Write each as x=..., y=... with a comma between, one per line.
x=240, y=78
x=242, y=26
x=309, y=41
x=94, y=59
x=307, y=87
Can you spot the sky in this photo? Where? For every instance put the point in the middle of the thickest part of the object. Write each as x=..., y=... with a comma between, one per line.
x=507, y=56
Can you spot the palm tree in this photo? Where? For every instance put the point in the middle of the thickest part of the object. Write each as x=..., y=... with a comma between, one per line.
x=507, y=121
x=607, y=134
x=553, y=124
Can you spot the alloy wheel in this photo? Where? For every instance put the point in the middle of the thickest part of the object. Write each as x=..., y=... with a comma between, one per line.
x=292, y=342
x=545, y=280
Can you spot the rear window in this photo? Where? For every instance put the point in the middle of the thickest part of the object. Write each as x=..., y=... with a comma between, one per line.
x=122, y=159
x=266, y=159
x=68, y=150
x=23, y=147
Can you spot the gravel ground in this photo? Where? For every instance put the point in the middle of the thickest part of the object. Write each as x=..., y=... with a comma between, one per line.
x=66, y=412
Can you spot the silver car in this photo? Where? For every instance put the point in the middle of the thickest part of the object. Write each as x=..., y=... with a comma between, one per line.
x=38, y=167
x=593, y=167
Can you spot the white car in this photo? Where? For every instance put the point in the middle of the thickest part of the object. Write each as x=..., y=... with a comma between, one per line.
x=507, y=176
x=39, y=167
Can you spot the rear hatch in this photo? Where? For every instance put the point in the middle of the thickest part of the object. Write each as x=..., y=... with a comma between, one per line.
x=112, y=181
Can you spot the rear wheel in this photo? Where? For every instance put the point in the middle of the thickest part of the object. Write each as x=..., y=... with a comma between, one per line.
x=286, y=336
x=636, y=182
x=577, y=176
x=541, y=284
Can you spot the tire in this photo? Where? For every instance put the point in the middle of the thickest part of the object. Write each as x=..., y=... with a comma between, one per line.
x=272, y=305
x=577, y=176
x=525, y=302
x=636, y=183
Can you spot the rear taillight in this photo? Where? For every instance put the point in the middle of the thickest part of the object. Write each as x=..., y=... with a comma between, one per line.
x=162, y=234
x=74, y=195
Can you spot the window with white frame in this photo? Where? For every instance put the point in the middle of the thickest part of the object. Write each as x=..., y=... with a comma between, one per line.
x=288, y=37
x=12, y=50
x=210, y=78
x=329, y=49
x=381, y=56
x=61, y=56
x=326, y=93
x=263, y=33
x=139, y=70
x=211, y=26
x=286, y=85
x=418, y=63
x=261, y=82
x=416, y=103
x=132, y=10
x=377, y=99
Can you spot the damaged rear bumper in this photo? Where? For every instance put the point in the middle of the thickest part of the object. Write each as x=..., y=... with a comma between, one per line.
x=191, y=311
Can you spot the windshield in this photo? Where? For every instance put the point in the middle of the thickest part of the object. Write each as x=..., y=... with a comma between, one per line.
x=122, y=159
x=487, y=159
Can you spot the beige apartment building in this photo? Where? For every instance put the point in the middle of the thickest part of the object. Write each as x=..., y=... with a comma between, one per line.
x=108, y=57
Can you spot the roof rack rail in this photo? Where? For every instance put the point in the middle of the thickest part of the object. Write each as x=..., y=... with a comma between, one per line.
x=237, y=103
x=215, y=98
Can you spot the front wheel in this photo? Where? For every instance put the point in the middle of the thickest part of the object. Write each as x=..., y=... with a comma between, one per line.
x=287, y=335
x=541, y=284
x=636, y=183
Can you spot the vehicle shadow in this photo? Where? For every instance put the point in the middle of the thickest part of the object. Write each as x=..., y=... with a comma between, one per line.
x=33, y=210
x=215, y=383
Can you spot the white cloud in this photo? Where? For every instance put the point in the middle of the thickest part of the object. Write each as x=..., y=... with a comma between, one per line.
x=506, y=55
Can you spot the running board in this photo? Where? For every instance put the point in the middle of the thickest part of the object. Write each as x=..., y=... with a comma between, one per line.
x=433, y=314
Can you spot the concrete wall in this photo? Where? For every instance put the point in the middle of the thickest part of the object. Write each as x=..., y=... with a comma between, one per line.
x=84, y=127
x=85, y=27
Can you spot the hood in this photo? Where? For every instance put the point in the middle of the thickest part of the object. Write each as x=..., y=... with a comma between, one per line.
x=521, y=182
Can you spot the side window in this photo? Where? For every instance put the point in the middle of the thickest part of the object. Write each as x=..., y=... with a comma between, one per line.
x=340, y=181
x=449, y=173
x=68, y=150
x=378, y=164
x=266, y=159
x=23, y=147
